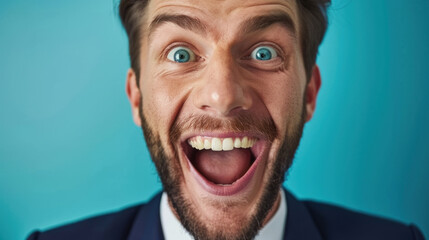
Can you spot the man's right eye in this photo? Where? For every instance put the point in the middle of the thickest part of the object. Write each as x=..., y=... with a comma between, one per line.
x=181, y=55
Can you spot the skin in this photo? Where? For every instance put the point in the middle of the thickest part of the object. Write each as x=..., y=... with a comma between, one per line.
x=223, y=82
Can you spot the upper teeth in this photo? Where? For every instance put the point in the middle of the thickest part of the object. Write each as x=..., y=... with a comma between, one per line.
x=221, y=144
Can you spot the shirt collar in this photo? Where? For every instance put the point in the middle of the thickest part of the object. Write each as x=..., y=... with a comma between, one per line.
x=173, y=229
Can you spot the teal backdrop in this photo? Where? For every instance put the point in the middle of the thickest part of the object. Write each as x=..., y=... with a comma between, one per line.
x=69, y=148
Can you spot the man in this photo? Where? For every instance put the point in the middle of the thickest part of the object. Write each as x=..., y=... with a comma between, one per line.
x=222, y=90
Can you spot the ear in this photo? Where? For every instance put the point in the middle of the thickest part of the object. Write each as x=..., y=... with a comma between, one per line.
x=312, y=90
x=134, y=95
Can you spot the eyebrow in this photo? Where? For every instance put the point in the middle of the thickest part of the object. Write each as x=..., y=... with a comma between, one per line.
x=250, y=25
x=257, y=23
x=183, y=21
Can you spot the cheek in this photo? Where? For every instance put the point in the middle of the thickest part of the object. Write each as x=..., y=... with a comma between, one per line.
x=157, y=106
x=162, y=101
x=283, y=98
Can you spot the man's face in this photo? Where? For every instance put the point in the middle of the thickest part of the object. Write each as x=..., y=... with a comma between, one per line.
x=222, y=101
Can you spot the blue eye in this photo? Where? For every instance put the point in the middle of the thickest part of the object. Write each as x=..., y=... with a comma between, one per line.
x=264, y=53
x=181, y=55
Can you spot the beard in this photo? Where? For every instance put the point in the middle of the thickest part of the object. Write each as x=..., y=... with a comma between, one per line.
x=171, y=176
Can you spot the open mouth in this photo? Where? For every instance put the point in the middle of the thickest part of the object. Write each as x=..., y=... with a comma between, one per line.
x=223, y=165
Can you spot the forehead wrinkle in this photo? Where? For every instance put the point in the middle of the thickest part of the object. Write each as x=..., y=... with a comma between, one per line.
x=184, y=21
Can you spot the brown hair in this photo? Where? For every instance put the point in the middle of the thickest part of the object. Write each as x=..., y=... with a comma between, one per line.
x=312, y=15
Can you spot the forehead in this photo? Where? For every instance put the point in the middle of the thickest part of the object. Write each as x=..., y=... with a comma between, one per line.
x=222, y=14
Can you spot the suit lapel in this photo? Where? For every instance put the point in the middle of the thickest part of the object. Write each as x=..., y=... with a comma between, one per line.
x=147, y=224
x=299, y=223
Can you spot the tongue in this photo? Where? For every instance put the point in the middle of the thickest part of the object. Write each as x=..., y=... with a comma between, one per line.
x=223, y=167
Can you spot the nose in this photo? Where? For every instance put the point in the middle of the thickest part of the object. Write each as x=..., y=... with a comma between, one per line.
x=223, y=90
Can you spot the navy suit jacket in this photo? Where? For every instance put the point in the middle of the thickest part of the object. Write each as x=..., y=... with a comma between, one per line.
x=306, y=220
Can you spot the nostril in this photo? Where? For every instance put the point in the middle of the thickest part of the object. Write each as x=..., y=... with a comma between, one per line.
x=236, y=110
x=223, y=112
x=205, y=107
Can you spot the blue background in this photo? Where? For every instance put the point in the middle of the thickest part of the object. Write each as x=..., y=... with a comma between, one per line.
x=69, y=148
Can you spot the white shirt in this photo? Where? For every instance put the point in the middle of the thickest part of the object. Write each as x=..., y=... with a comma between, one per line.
x=173, y=229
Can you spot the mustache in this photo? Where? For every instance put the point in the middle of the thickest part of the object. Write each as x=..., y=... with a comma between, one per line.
x=244, y=122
